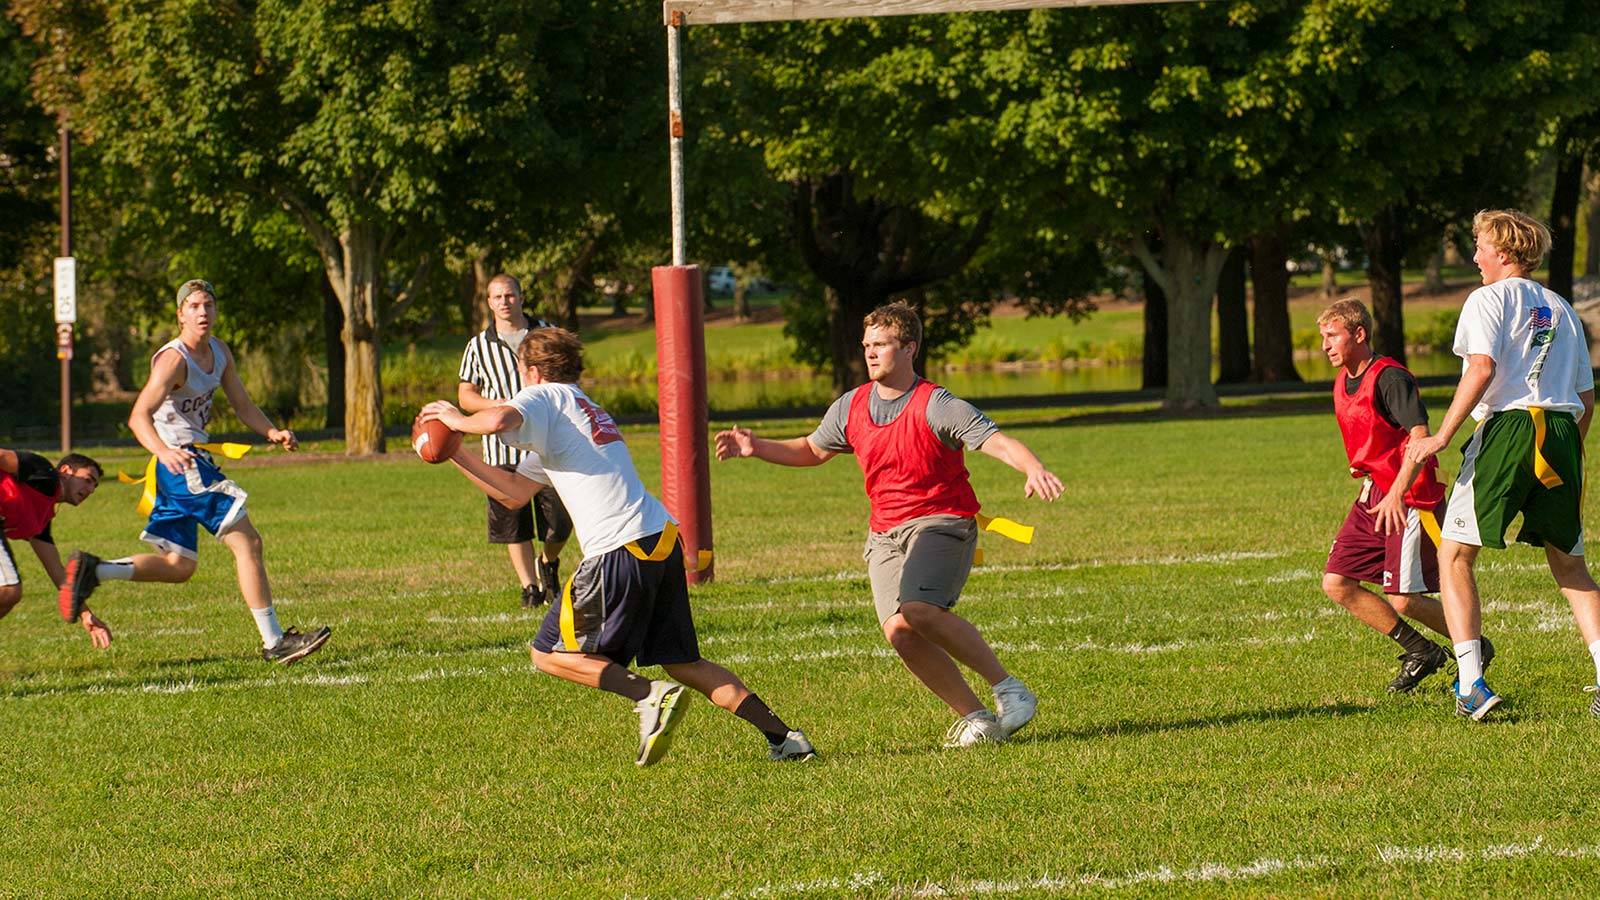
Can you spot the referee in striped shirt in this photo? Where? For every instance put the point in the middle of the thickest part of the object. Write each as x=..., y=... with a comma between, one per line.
x=489, y=375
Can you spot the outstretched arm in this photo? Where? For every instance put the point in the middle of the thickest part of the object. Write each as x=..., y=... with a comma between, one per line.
x=738, y=442
x=511, y=490
x=247, y=410
x=1474, y=381
x=1041, y=481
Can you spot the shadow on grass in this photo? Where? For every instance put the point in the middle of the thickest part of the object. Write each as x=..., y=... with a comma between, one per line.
x=1159, y=726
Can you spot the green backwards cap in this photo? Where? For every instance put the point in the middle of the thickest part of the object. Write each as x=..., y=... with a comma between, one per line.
x=192, y=285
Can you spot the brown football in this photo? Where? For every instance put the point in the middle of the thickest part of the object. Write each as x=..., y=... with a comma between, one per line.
x=434, y=441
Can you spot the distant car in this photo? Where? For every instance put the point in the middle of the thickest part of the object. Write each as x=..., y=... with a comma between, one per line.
x=720, y=280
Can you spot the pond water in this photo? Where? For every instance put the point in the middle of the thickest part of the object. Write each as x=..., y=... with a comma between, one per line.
x=814, y=390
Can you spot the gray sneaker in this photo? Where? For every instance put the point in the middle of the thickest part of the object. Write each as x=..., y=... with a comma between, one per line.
x=794, y=748
x=1594, y=707
x=1015, y=705
x=981, y=727
x=659, y=714
x=296, y=646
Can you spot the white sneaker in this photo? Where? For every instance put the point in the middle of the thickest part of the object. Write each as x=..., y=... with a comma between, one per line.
x=659, y=714
x=1015, y=704
x=981, y=727
x=794, y=748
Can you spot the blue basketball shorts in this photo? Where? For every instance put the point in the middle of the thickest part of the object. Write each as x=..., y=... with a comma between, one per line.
x=202, y=495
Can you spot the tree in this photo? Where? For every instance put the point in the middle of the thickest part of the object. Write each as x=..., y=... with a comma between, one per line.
x=370, y=125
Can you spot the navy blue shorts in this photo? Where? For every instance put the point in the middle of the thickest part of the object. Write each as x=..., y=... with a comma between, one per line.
x=624, y=608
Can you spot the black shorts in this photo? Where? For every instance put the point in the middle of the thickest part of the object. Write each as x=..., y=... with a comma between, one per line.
x=624, y=608
x=545, y=518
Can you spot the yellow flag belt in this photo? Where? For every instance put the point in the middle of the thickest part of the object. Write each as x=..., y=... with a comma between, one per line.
x=147, y=497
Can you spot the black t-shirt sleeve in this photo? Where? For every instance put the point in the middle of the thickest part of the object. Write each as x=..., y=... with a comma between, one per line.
x=1398, y=400
x=44, y=536
x=38, y=473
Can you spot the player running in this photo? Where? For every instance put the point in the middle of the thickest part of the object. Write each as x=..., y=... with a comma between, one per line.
x=30, y=491
x=1526, y=380
x=169, y=418
x=907, y=434
x=629, y=598
x=1390, y=536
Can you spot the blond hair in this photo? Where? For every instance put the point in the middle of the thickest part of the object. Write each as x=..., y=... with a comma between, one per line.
x=1350, y=313
x=897, y=317
x=555, y=352
x=1523, y=238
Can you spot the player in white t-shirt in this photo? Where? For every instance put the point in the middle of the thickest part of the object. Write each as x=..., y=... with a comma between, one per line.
x=1526, y=380
x=629, y=598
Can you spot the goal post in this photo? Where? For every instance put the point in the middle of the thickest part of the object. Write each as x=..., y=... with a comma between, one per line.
x=680, y=337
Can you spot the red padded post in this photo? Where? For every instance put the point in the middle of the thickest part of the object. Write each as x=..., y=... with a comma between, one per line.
x=681, y=387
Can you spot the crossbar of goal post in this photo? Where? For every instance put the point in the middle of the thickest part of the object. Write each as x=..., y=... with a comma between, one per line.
x=680, y=323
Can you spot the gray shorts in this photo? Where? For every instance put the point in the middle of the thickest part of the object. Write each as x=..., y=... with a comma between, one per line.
x=925, y=559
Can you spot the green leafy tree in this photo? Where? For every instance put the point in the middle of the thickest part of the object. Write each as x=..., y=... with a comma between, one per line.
x=372, y=125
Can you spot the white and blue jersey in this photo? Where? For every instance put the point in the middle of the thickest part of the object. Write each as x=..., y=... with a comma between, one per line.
x=201, y=495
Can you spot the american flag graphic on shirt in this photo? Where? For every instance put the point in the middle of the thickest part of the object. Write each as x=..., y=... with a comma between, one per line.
x=1539, y=317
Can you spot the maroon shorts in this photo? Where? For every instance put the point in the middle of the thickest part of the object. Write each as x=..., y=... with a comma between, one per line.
x=1405, y=562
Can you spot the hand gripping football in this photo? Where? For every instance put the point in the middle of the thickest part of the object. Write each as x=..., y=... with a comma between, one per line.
x=434, y=441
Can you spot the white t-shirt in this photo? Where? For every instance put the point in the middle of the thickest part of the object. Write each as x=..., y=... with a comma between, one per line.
x=574, y=446
x=1536, y=342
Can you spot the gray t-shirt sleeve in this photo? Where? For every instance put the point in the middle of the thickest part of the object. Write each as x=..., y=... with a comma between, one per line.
x=829, y=434
x=957, y=422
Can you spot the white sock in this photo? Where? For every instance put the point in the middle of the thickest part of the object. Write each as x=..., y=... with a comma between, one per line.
x=1594, y=651
x=114, y=570
x=1469, y=665
x=267, y=623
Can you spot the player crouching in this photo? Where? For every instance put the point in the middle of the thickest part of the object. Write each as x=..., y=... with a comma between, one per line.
x=1390, y=536
x=629, y=599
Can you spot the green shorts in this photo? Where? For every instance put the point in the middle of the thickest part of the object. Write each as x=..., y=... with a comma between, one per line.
x=1520, y=461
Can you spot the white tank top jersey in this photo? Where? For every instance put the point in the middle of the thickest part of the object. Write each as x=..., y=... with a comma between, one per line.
x=574, y=446
x=1540, y=357
x=182, y=418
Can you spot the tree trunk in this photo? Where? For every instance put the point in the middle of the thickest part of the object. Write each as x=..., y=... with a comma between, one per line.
x=1233, y=323
x=1154, y=363
x=1384, y=239
x=844, y=337
x=359, y=292
x=577, y=283
x=741, y=300
x=1564, y=215
x=1433, y=272
x=333, y=347
x=1591, y=255
x=1187, y=269
x=484, y=267
x=1330, y=277
x=1269, y=277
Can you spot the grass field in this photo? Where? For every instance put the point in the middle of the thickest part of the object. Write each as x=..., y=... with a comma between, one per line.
x=1209, y=722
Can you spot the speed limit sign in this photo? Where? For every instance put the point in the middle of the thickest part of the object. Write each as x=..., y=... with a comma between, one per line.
x=66, y=290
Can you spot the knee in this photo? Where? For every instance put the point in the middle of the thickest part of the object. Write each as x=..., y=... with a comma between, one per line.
x=899, y=633
x=10, y=596
x=182, y=567
x=1405, y=604
x=541, y=660
x=922, y=616
x=1338, y=588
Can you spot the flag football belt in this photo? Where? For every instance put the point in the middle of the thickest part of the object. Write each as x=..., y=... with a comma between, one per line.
x=147, y=497
x=664, y=544
x=1007, y=528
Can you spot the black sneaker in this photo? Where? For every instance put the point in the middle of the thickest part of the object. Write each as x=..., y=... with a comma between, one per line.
x=1594, y=706
x=550, y=574
x=1416, y=666
x=532, y=596
x=79, y=584
x=296, y=646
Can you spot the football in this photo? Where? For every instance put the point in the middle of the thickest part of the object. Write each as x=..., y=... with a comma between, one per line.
x=434, y=441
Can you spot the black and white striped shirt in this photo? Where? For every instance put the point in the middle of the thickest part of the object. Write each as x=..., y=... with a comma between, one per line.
x=490, y=366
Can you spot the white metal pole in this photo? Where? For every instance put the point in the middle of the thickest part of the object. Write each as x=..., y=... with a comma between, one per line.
x=675, y=129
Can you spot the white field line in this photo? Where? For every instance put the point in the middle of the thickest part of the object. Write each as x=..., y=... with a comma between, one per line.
x=315, y=679
x=1198, y=874
x=1088, y=646
x=979, y=571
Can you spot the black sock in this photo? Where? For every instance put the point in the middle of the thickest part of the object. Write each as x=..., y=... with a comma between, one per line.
x=755, y=712
x=1409, y=638
x=618, y=680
